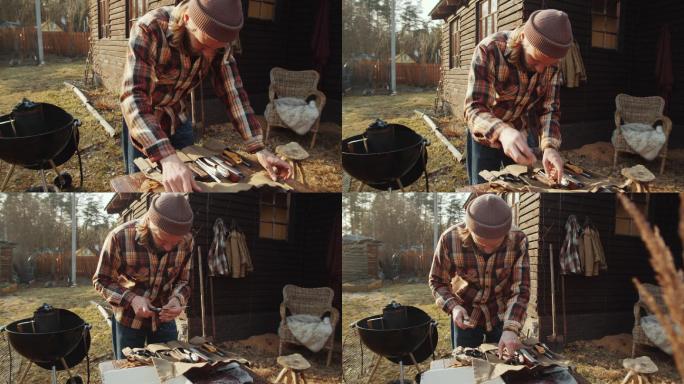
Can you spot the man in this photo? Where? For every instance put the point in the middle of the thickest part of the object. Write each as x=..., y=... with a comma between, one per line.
x=171, y=49
x=513, y=96
x=144, y=265
x=491, y=261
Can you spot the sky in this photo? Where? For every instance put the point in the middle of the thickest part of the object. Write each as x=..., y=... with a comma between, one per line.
x=427, y=6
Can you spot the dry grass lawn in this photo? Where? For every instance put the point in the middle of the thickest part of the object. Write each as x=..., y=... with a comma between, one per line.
x=101, y=154
x=595, y=360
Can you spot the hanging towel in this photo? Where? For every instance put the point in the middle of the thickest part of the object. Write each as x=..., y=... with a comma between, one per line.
x=591, y=250
x=218, y=259
x=642, y=138
x=310, y=330
x=572, y=67
x=569, y=254
x=297, y=114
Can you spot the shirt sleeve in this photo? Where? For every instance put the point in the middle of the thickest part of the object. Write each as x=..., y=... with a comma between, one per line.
x=144, y=128
x=181, y=288
x=229, y=89
x=109, y=267
x=549, y=116
x=520, y=289
x=441, y=275
x=484, y=126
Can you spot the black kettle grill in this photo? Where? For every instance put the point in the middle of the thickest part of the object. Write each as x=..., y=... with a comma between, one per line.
x=39, y=136
x=54, y=339
x=386, y=156
x=402, y=334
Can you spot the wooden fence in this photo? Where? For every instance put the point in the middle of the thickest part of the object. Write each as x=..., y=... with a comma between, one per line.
x=23, y=41
x=58, y=266
x=376, y=74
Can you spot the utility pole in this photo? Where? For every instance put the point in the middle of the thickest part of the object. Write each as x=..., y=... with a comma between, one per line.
x=393, y=49
x=74, y=229
x=435, y=221
x=39, y=33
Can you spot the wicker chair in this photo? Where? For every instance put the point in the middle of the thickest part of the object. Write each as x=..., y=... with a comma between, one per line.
x=645, y=110
x=299, y=84
x=638, y=334
x=310, y=301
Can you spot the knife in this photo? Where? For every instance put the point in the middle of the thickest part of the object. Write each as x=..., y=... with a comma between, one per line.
x=235, y=157
x=208, y=169
x=225, y=166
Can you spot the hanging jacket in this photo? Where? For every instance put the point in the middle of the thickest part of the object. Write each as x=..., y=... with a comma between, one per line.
x=591, y=250
x=570, y=251
x=240, y=260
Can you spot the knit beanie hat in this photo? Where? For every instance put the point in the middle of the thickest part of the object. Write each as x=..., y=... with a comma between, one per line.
x=171, y=213
x=220, y=19
x=488, y=216
x=550, y=32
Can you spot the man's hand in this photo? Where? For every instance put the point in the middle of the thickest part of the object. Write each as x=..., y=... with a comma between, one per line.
x=276, y=167
x=460, y=317
x=509, y=342
x=177, y=176
x=553, y=164
x=141, y=306
x=515, y=146
x=170, y=311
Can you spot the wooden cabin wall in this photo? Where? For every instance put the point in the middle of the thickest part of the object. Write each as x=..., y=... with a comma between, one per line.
x=456, y=79
x=527, y=219
x=601, y=305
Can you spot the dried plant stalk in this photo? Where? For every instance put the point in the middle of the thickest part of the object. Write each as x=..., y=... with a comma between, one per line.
x=669, y=279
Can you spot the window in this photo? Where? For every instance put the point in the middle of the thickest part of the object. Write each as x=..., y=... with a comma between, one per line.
x=274, y=215
x=455, y=43
x=624, y=224
x=261, y=9
x=103, y=30
x=605, y=23
x=487, y=18
x=134, y=10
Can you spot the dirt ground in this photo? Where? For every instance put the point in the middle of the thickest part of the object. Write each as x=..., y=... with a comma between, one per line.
x=260, y=350
x=101, y=154
x=599, y=361
x=446, y=174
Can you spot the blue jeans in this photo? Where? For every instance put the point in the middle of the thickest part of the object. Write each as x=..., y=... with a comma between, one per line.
x=180, y=139
x=137, y=338
x=473, y=337
x=480, y=157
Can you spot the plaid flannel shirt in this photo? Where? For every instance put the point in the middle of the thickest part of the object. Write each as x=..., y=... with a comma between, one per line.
x=158, y=76
x=129, y=267
x=498, y=289
x=501, y=94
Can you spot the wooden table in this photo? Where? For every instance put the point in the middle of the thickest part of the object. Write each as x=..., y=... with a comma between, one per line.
x=132, y=183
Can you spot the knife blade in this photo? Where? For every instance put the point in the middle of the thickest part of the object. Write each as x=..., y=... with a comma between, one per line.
x=225, y=166
x=208, y=169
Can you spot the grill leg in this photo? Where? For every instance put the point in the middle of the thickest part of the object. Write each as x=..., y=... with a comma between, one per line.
x=23, y=377
x=375, y=368
x=45, y=185
x=7, y=177
x=59, y=176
